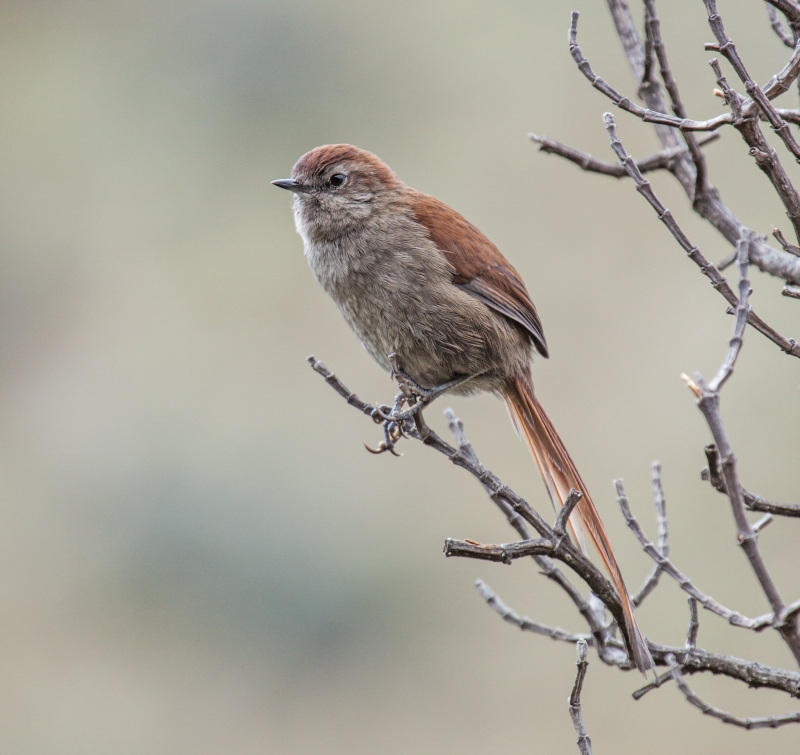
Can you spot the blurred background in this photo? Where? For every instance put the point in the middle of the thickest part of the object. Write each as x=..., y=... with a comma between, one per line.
x=197, y=555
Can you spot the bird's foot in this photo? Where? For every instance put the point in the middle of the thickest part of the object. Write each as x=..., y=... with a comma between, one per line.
x=398, y=420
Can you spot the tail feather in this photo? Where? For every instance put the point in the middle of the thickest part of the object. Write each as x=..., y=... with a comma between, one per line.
x=560, y=475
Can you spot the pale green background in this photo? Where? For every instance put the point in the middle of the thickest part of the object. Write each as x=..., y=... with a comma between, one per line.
x=196, y=553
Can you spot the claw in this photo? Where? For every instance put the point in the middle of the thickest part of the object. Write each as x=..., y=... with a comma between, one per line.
x=382, y=448
x=379, y=450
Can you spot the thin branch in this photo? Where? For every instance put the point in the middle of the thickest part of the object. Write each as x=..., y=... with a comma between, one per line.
x=694, y=625
x=547, y=567
x=693, y=144
x=776, y=86
x=693, y=661
x=766, y=158
x=663, y=537
x=660, y=161
x=506, y=552
x=791, y=292
x=523, y=622
x=769, y=722
x=708, y=403
x=655, y=684
x=709, y=603
x=787, y=247
x=742, y=313
x=584, y=743
x=706, y=203
x=789, y=8
x=777, y=26
x=622, y=102
x=718, y=282
x=728, y=49
x=789, y=115
x=753, y=502
x=691, y=644
x=765, y=521
x=574, y=497
x=563, y=551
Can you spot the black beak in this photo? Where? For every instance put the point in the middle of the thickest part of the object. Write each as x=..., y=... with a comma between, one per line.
x=290, y=184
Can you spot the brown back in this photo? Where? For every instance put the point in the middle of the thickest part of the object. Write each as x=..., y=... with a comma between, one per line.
x=480, y=267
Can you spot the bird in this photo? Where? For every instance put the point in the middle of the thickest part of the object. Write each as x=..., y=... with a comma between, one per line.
x=428, y=294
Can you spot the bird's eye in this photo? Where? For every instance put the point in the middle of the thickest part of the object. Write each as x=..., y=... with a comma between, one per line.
x=337, y=179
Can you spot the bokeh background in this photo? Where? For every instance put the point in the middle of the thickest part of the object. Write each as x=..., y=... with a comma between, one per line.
x=196, y=553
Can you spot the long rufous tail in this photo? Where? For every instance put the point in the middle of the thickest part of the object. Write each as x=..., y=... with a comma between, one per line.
x=560, y=475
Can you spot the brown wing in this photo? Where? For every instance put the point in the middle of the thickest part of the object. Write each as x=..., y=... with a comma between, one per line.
x=480, y=268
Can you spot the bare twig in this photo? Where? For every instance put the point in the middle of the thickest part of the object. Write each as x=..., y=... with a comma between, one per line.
x=708, y=403
x=663, y=537
x=574, y=497
x=693, y=661
x=787, y=247
x=506, y=553
x=791, y=291
x=655, y=684
x=706, y=203
x=694, y=625
x=770, y=722
x=789, y=115
x=686, y=584
x=765, y=521
x=753, y=502
x=742, y=313
x=693, y=144
x=622, y=102
x=790, y=9
x=779, y=84
x=663, y=160
x=523, y=622
x=790, y=346
x=584, y=743
x=564, y=551
x=728, y=49
x=547, y=567
x=766, y=158
x=777, y=26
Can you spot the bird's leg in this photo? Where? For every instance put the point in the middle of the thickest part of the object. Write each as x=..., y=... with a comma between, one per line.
x=396, y=420
x=416, y=395
x=385, y=415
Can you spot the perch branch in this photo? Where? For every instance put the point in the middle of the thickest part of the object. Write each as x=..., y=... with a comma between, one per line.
x=564, y=550
x=691, y=660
